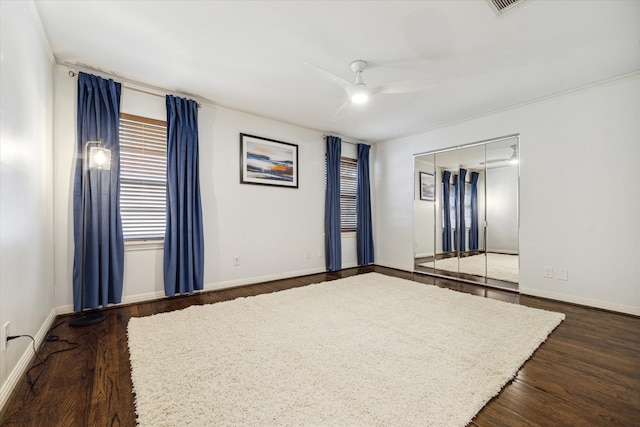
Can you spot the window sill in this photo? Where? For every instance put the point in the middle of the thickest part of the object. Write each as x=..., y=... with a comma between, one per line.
x=141, y=245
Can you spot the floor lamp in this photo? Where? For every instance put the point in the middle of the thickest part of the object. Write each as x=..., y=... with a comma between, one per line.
x=95, y=156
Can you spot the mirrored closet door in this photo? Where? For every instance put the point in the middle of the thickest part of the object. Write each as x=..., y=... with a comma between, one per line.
x=466, y=212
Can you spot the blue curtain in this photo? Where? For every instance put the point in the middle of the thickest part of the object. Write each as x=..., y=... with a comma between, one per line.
x=332, y=234
x=456, y=212
x=364, y=229
x=184, y=240
x=473, y=229
x=446, y=211
x=462, y=223
x=98, y=120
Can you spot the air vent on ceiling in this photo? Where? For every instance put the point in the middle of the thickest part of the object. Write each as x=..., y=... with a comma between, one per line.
x=502, y=6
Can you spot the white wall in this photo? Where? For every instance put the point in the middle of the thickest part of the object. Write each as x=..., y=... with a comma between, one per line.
x=271, y=229
x=26, y=214
x=570, y=216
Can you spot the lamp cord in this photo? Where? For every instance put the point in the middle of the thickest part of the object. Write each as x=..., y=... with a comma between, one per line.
x=43, y=362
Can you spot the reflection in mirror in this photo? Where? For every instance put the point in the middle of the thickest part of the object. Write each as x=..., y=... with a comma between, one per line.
x=469, y=228
x=502, y=210
x=423, y=210
x=448, y=213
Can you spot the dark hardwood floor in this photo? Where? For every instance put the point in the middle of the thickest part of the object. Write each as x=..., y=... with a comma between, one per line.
x=587, y=373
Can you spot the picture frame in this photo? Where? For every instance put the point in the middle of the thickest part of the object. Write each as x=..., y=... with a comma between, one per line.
x=266, y=161
x=427, y=187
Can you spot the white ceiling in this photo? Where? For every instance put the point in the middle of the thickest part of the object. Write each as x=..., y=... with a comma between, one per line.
x=248, y=55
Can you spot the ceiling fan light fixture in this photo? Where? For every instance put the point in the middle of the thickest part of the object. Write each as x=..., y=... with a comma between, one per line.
x=361, y=95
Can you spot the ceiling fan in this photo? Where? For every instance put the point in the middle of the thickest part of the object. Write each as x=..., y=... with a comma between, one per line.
x=359, y=93
x=511, y=160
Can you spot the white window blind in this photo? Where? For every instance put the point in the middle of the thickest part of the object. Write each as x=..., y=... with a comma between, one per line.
x=143, y=177
x=348, y=186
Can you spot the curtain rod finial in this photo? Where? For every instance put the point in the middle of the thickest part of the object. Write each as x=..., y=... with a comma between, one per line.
x=72, y=73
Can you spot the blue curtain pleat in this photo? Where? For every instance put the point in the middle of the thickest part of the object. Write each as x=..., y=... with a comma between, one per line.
x=364, y=228
x=456, y=213
x=473, y=229
x=332, y=233
x=98, y=119
x=462, y=223
x=446, y=211
x=184, y=239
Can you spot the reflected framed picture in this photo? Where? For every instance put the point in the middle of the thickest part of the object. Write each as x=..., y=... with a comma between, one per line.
x=427, y=186
x=268, y=162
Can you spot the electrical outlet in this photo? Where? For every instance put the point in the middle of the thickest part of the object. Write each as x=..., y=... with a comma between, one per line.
x=236, y=260
x=563, y=274
x=548, y=272
x=5, y=334
x=308, y=256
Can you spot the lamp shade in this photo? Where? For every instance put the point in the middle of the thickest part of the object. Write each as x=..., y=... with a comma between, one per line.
x=99, y=158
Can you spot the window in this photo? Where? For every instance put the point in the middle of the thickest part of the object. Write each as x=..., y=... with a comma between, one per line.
x=143, y=177
x=348, y=186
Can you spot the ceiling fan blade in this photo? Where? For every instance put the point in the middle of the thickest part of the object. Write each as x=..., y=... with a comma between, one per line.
x=488, y=162
x=348, y=87
x=342, y=110
x=406, y=86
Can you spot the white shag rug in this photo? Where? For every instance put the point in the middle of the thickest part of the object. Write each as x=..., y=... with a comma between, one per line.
x=498, y=266
x=368, y=350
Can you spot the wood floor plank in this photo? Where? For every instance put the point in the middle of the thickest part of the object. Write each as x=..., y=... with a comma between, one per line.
x=496, y=415
x=582, y=384
x=586, y=373
x=543, y=408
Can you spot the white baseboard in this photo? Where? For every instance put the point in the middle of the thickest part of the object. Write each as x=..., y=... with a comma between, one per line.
x=23, y=363
x=621, y=308
x=395, y=266
x=131, y=299
x=216, y=286
x=150, y=296
x=252, y=280
x=424, y=255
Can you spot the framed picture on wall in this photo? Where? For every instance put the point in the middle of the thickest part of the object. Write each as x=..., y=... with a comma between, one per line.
x=427, y=186
x=268, y=162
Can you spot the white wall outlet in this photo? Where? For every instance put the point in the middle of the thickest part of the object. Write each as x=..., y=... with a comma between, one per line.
x=548, y=272
x=320, y=253
x=5, y=334
x=308, y=255
x=563, y=274
x=236, y=260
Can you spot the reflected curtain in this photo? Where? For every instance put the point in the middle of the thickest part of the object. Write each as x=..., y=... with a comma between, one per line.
x=446, y=211
x=332, y=233
x=98, y=120
x=456, y=213
x=364, y=229
x=473, y=228
x=184, y=240
x=462, y=226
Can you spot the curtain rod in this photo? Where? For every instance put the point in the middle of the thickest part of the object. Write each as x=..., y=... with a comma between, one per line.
x=130, y=86
x=347, y=142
